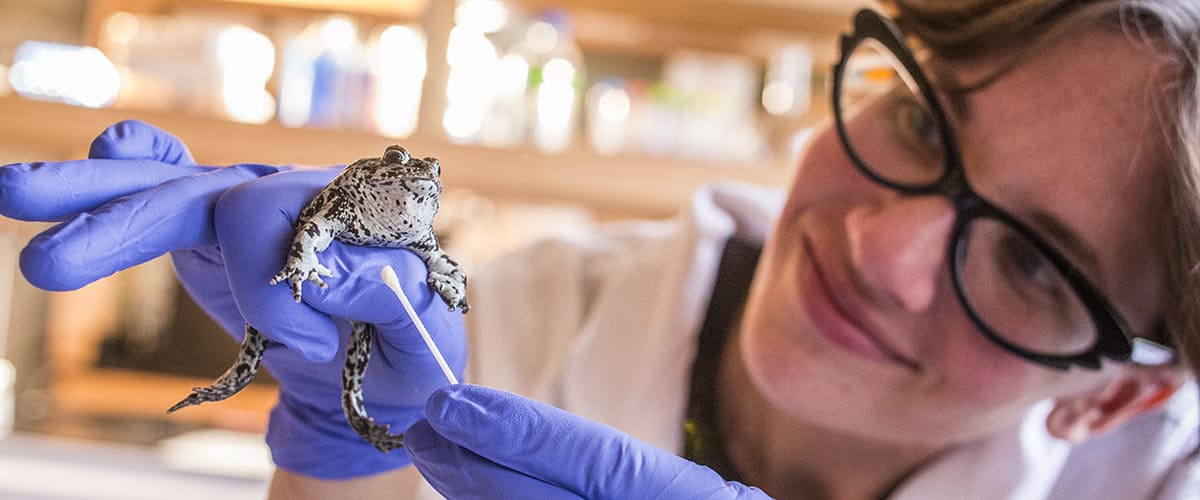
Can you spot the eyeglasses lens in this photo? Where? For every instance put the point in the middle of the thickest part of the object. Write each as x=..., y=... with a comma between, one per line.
x=1014, y=289
x=890, y=126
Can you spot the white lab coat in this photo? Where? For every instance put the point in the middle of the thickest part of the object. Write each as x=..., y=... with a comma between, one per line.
x=603, y=324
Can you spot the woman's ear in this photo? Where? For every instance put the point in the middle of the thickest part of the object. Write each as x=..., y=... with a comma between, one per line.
x=1133, y=391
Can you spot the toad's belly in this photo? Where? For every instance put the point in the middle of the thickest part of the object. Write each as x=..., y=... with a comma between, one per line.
x=399, y=226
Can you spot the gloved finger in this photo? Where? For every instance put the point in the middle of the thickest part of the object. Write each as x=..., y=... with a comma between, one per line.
x=52, y=191
x=456, y=472
x=137, y=140
x=589, y=458
x=254, y=223
x=174, y=215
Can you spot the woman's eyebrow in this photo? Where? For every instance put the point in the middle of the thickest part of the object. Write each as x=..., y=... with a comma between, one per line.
x=947, y=88
x=952, y=92
x=1062, y=234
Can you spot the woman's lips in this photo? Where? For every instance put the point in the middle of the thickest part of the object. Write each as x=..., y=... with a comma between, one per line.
x=829, y=309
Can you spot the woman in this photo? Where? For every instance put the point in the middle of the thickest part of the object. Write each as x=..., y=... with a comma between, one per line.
x=998, y=231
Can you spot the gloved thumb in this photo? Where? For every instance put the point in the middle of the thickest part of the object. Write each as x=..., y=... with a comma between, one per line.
x=458, y=473
x=554, y=446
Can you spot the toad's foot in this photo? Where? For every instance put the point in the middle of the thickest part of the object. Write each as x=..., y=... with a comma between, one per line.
x=235, y=378
x=204, y=394
x=301, y=269
x=378, y=436
x=358, y=354
x=452, y=286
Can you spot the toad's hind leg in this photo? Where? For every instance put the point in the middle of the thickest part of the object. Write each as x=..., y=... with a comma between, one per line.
x=358, y=354
x=236, y=377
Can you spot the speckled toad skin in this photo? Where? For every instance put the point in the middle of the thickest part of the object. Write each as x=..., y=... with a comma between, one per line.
x=388, y=201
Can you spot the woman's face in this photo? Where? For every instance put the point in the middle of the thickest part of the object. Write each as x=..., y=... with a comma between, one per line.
x=853, y=322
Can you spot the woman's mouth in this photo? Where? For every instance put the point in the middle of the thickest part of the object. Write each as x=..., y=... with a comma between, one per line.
x=839, y=316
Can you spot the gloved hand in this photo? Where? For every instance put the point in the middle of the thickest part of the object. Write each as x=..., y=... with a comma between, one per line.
x=140, y=196
x=485, y=443
x=137, y=197
x=308, y=432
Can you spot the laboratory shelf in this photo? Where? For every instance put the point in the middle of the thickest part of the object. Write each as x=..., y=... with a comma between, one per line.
x=611, y=186
x=753, y=28
x=383, y=9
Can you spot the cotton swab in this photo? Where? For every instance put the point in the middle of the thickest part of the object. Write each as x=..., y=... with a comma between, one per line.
x=389, y=278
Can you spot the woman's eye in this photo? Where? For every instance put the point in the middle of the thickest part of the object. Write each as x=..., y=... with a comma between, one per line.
x=915, y=125
x=1029, y=270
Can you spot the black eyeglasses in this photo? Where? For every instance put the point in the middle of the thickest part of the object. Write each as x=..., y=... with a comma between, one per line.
x=1017, y=289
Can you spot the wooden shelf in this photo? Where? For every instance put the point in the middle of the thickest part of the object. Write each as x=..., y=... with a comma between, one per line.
x=754, y=28
x=382, y=9
x=623, y=187
x=813, y=16
x=402, y=9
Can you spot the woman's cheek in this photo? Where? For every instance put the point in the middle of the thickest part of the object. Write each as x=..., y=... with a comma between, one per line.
x=824, y=170
x=984, y=377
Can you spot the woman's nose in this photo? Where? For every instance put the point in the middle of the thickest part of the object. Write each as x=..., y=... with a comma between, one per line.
x=898, y=248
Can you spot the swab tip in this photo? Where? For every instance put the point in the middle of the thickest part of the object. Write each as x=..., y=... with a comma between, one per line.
x=389, y=277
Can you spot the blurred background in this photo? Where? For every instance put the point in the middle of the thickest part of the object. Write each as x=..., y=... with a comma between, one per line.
x=547, y=116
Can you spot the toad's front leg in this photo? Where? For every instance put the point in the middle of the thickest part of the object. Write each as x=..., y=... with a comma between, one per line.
x=313, y=235
x=445, y=276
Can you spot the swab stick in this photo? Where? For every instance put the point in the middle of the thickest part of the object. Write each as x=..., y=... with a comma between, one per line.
x=389, y=278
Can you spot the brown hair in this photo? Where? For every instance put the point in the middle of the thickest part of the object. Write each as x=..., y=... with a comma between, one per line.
x=970, y=28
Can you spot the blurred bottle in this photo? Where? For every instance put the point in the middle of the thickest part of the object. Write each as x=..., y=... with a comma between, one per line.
x=192, y=63
x=719, y=97
x=663, y=111
x=512, y=81
x=79, y=76
x=787, y=99
x=247, y=61
x=557, y=77
x=507, y=120
x=788, y=87
x=489, y=81
x=608, y=107
x=397, y=56
x=297, y=68
x=472, y=58
x=323, y=79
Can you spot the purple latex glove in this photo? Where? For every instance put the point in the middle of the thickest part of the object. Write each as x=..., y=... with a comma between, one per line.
x=140, y=196
x=486, y=443
x=308, y=432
